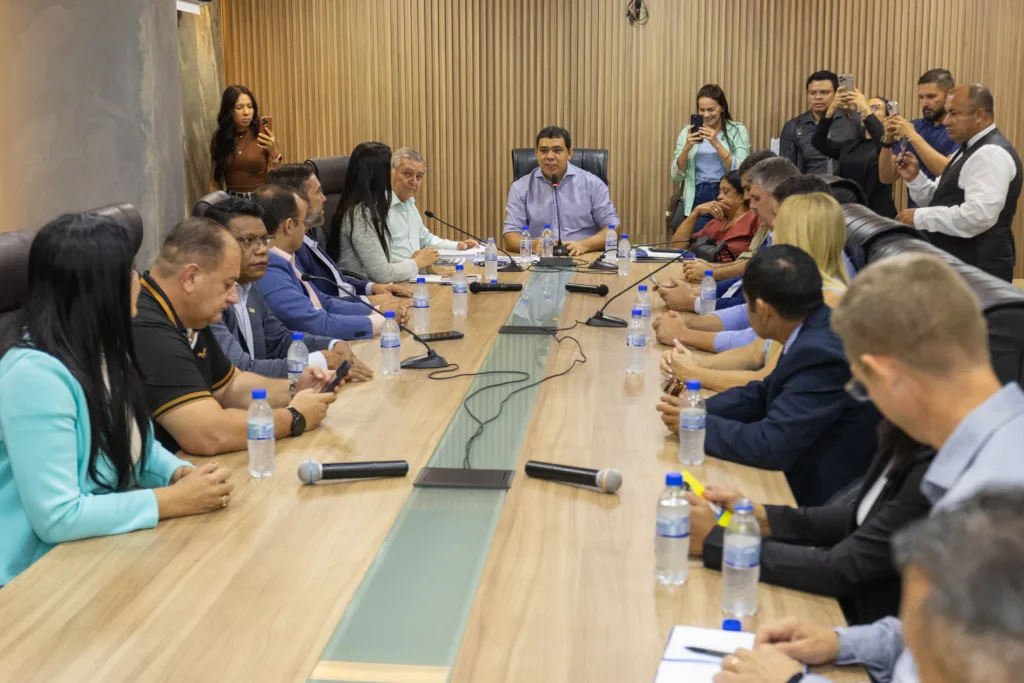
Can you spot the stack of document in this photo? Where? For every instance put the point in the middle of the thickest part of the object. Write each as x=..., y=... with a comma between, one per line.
x=681, y=664
x=658, y=254
x=434, y=279
x=459, y=253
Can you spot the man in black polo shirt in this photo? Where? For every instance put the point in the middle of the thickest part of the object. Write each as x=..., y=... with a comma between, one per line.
x=198, y=400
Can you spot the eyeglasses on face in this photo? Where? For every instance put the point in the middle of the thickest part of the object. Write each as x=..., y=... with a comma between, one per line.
x=248, y=243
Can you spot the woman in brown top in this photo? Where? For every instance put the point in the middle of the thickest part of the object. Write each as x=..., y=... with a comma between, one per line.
x=242, y=153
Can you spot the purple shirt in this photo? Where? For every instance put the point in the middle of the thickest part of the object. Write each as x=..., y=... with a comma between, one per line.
x=583, y=205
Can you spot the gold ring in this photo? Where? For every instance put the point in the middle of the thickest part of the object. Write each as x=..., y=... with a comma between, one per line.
x=224, y=502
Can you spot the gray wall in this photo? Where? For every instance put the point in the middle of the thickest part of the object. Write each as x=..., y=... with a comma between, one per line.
x=97, y=118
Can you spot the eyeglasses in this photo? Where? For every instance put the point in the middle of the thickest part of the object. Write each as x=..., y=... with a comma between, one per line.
x=248, y=243
x=857, y=391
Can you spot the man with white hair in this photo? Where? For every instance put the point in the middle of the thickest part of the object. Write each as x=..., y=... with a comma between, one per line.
x=408, y=233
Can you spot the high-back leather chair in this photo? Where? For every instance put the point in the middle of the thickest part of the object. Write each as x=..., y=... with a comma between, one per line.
x=208, y=200
x=14, y=247
x=524, y=160
x=128, y=216
x=331, y=172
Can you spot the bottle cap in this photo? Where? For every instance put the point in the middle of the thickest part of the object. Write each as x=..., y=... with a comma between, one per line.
x=259, y=394
x=743, y=505
x=421, y=280
x=547, y=226
x=637, y=312
x=643, y=288
x=494, y=282
x=490, y=240
x=526, y=228
x=458, y=268
x=732, y=625
x=298, y=336
x=708, y=272
x=674, y=479
x=625, y=236
x=693, y=385
x=390, y=315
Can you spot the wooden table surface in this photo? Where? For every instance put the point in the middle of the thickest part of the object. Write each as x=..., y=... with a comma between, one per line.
x=253, y=592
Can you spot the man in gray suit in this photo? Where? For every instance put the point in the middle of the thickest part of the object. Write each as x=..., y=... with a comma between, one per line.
x=251, y=335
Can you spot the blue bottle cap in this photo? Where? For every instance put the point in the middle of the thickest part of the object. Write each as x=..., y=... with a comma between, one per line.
x=259, y=394
x=457, y=268
x=390, y=315
x=643, y=288
x=494, y=282
x=637, y=312
x=526, y=228
x=732, y=625
x=708, y=272
x=693, y=385
x=547, y=225
x=743, y=505
x=298, y=336
x=421, y=280
x=674, y=479
x=490, y=240
x=625, y=236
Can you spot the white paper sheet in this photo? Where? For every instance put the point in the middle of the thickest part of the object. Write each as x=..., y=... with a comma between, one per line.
x=680, y=665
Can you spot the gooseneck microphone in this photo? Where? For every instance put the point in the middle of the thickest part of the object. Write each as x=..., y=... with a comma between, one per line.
x=311, y=471
x=600, y=290
x=606, y=480
x=510, y=267
x=560, y=250
x=431, y=361
x=477, y=287
x=599, y=319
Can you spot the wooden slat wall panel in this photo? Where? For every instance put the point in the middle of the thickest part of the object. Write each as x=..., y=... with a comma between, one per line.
x=464, y=81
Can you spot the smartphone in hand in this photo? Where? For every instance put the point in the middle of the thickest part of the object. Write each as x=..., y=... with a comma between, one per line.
x=892, y=108
x=266, y=123
x=696, y=122
x=846, y=81
x=339, y=375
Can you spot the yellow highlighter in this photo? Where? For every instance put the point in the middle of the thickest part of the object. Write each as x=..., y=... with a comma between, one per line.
x=698, y=490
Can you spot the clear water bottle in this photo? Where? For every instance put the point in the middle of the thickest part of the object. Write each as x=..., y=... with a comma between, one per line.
x=623, y=255
x=460, y=292
x=421, y=307
x=672, y=539
x=525, y=244
x=643, y=302
x=261, y=435
x=636, y=344
x=708, y=293
x=490, y=260
x=692, y=420
x=547, y=242
x=741, y=562
x=390, y=346
x=611, y=243
x=298, y=357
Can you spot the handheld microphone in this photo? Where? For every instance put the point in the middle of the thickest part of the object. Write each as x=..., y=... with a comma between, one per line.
x=560, y=250
x=599, y=319
x=600, y=290
x=431, y=361
x=606, y=480
x=510, y=267
x=477, y=287
x=311, y=471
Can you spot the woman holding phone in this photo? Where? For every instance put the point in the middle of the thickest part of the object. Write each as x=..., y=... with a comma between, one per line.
x=244, y=148
x=711, y=146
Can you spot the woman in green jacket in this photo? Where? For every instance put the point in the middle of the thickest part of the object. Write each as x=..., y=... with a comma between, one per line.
x=77, y=453
x=705, y=154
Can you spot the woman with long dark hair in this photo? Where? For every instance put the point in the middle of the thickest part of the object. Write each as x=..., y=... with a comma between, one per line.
x=360, y=241
x=77, y=452
x=707, y=152
x=242, y=150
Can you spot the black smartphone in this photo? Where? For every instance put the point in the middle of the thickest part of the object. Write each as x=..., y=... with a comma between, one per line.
x=441, y=336
x=696, y=122
x=339, y=375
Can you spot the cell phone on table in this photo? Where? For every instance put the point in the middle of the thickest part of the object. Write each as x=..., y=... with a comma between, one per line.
x=266, y=123
x=441, y=336
x=696, y=123
x=339, y=375
x=846, y=81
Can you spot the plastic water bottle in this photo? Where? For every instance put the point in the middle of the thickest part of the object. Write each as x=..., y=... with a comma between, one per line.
x=547, y=242
x=460, y=292
x=636, y=344
x=390, y=346
x=623, y=255
x=693, y=417
x=490, y=260
x=525, y=244
x=741, y=562
x=708, y=293
x=261, y=435
x=643, y=302
x=421, y=306
x=611, y=243
x=298, y=357
x=672, y=539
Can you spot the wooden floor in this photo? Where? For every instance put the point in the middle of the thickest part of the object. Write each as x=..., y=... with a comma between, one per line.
x=252, y=593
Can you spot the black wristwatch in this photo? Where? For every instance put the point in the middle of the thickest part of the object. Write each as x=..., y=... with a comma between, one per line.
x=889, y=145
x=298, y=421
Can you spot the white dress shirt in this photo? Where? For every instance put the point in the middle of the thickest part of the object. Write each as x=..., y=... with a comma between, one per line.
x=316, y=359
x=985, y=179
x=408, y=233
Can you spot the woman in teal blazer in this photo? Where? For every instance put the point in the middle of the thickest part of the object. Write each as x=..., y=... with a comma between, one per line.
x=77, y=453
x=703, y=156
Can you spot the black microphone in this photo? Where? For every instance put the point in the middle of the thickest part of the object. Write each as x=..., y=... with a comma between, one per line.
x=560, y=250
x=510, y=267
x=477, y=287
x=599, y=319
x=606, y=480
x=600, y=290
x=430, y=361
x=311, y=471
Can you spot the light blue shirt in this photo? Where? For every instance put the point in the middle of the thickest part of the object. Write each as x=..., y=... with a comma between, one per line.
x=46, y=494
x=584, y=206
x=709, y=165
x=792, y=338
x=244, y=324
x=408, y=233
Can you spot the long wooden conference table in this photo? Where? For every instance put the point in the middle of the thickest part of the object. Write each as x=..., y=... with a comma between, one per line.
x=378, y=581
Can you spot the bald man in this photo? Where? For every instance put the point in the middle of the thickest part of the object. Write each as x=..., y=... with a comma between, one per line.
x=967, y=211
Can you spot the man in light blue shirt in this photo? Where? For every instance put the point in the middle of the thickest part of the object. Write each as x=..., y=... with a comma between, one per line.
x=584, y=208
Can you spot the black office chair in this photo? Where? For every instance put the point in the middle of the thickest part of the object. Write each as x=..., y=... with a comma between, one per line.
x=864, y=227
x=593, y=160
x=14, y=248
x=128, y=216
x=331, y=172
x=206, y=201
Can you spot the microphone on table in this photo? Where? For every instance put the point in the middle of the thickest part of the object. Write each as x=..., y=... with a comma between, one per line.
x=311, y=471
x=599, y=319
x=559, y=250
x=606, y=480
x=510, y=267
x=600, y=290
x=431, y=361
x=477, y=287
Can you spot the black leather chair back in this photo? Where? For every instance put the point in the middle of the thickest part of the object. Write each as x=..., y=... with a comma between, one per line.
x=864, y=227
x=594, y=160
x=14, y=247
x=204, y=204
x=128, y=216
x=331, y=172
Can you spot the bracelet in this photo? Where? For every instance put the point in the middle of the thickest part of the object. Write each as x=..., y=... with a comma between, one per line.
x=888, y=145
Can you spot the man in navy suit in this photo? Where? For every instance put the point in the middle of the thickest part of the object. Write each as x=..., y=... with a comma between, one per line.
x=799, y=419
